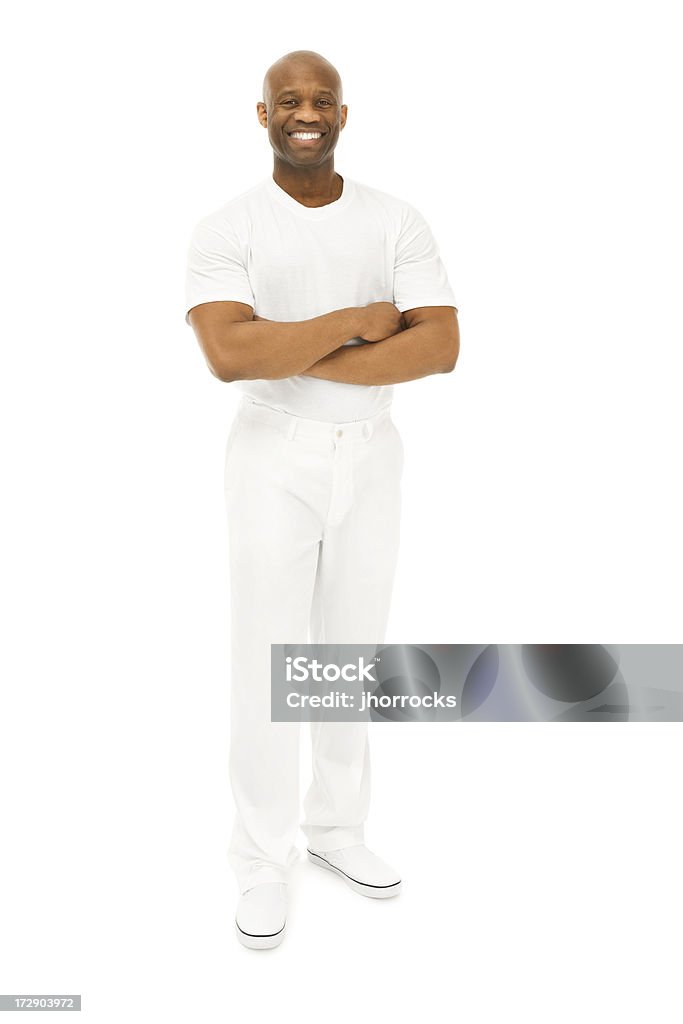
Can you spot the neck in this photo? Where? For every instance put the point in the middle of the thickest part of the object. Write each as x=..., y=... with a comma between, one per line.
x=310, y=186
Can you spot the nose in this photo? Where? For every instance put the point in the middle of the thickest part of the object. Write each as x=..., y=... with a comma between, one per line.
x=307, y=117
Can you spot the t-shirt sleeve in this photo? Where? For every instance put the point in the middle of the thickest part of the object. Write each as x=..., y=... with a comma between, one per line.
x=216, y=268
x=420, y=277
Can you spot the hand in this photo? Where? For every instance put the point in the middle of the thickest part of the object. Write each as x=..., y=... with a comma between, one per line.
x=381, y=320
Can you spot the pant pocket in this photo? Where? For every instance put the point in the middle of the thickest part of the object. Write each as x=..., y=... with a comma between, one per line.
x=398, y=439
x=254, y=456
x=232, y=436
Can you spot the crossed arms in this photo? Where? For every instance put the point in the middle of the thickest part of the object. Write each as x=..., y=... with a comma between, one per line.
x=240, y=346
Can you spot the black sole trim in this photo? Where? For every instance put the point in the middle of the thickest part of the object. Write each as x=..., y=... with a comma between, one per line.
x=260, y=935
x=356, y=880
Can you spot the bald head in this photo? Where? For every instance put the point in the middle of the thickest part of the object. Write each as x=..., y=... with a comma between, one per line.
x=302, y=91
x=293, y=64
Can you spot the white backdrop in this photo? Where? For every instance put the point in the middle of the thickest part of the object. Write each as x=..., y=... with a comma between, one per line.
x=541, y=501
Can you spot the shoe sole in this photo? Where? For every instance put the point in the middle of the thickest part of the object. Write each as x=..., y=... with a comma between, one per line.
x=260, y=941
x=377, y=892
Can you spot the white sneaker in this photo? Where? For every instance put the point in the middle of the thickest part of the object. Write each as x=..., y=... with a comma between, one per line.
x=261, y=915
x=363, y=871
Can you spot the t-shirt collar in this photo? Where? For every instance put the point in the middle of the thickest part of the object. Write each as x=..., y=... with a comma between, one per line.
x=311, y=212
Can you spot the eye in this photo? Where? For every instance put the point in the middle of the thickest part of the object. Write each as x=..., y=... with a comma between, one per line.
x=285, y=102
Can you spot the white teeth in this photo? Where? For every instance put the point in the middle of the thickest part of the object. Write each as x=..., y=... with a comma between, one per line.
x=305, y=135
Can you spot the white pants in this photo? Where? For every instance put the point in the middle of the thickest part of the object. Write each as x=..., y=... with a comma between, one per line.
x=313, y=514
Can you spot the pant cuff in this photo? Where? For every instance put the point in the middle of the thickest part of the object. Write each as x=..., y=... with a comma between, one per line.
x=325, y=839
x=262, y=874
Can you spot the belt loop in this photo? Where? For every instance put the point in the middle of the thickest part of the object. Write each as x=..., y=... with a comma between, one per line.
x=291, y=429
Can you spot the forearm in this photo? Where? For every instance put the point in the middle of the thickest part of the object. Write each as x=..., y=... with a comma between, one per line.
x=418, y=351
x=262, y=349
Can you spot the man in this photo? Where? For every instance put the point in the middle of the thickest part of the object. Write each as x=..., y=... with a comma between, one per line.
x=315, y=294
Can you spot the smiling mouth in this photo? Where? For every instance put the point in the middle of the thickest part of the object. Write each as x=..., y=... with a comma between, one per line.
x=300, y=136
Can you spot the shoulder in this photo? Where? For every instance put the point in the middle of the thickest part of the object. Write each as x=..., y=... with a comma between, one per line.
x=233, y=218
x=400, y=210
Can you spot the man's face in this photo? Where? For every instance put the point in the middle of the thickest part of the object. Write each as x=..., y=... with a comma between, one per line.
x=302, y=99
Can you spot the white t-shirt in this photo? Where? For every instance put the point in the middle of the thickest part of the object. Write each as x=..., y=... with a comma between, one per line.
x=292, y=262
